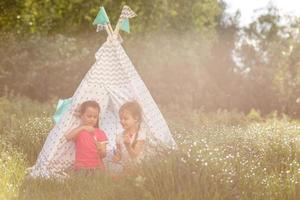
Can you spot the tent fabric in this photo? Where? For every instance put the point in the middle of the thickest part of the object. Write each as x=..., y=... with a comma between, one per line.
x=127, y=13
x=111, y=81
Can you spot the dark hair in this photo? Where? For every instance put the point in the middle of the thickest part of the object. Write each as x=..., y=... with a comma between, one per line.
x=87, y=104
x=134, y=108
x=92, y=104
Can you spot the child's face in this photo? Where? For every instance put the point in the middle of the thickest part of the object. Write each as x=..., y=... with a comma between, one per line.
x=90, y=116
x=127, y=120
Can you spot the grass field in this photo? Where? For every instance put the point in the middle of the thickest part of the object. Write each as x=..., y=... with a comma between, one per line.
x=225, y=155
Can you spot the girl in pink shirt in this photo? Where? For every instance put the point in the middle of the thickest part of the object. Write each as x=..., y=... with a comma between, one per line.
x=90, y=141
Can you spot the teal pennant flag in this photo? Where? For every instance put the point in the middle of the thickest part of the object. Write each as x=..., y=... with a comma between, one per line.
x=125, y=25
x=101, y=18
x=62, y=106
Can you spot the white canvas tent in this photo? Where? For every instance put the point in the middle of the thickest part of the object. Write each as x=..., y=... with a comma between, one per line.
x=111, y=81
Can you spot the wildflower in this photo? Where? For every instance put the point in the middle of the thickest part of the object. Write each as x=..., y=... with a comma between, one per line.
x=139, y=180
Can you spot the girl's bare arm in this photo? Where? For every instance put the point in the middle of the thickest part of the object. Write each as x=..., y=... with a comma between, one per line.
x=74, y=133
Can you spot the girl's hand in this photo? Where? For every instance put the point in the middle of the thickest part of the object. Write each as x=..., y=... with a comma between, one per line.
x=116, y=156
x=127, y=139
x=88, y=128
x=118, y=145
x=101, y=146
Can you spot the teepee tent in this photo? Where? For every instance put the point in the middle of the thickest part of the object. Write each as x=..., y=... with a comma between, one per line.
x=111, y=81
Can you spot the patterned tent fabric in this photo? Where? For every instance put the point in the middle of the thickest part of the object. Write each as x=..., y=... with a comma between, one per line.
x=127, y=13
x=111, y=81
x=100, y=28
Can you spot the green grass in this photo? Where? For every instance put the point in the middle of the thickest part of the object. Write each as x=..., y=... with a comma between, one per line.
x=12, y=170
x=222, y=156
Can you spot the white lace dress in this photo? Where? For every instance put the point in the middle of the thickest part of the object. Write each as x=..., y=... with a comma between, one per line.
x=125, y=157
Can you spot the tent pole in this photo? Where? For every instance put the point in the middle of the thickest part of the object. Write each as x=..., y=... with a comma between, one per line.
x=117, y=31
x=107, y=30
x=110, y=29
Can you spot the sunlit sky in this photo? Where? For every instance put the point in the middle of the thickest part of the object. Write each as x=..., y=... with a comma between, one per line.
x=248, y=7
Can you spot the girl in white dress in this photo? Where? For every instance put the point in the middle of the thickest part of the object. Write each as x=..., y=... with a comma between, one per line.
x=130, y=143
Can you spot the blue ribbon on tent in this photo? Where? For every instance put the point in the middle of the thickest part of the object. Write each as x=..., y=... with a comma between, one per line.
x=62, y=106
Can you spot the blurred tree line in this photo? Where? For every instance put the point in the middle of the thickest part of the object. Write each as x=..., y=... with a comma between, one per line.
x=191, y=54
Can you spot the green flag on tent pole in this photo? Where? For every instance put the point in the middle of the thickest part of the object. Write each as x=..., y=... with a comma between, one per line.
x=124, y=25
x=101, y=17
